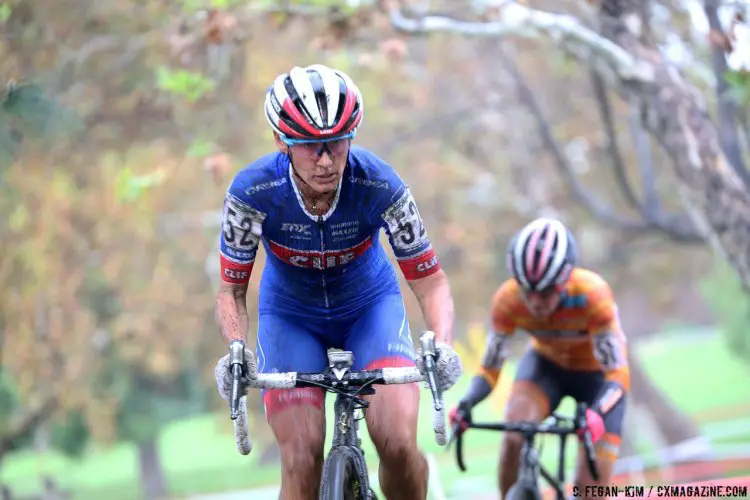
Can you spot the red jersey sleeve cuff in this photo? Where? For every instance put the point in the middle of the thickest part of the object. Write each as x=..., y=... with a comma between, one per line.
x=235, y=273
x=421, y=266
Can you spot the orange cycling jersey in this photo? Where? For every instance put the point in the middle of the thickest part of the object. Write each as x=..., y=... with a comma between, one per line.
x=583, y=334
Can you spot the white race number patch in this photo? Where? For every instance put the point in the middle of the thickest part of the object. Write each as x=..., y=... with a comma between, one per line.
x=495, y=351
x=608, y=350
x=405, y=224
x=241, y=225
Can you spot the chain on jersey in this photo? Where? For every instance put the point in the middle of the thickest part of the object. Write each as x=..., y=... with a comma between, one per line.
x=584, y=334
x=334, y=262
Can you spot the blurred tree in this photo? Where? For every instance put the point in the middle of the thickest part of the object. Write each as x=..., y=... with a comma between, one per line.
x=725, y=294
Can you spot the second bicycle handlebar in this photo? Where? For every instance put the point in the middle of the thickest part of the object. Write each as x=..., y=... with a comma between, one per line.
x=559, y=425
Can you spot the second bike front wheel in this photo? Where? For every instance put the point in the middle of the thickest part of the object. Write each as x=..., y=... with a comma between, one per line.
x=341, y=480
x=524, y=490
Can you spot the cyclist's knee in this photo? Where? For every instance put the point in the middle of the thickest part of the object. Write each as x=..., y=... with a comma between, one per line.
x=300, y=434
x=392, y=423
x=522, y=407
x=527, y=402
x=399, y=452
x=511, y=444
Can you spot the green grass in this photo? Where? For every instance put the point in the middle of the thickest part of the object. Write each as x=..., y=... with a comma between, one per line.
x=698, y=375
x=199, y=453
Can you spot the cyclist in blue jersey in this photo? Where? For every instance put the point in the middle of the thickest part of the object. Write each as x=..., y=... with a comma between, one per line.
x=318, y=205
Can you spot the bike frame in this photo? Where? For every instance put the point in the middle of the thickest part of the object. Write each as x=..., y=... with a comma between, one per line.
x=531, y=467
x=346, y=423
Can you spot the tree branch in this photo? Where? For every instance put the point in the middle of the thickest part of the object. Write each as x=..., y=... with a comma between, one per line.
x=575, y=39
x=678, y=227
x=613, y=148
x=727, y=108
x=32, y=417
x=644, y=156
x=516, y=19
x=598, y=208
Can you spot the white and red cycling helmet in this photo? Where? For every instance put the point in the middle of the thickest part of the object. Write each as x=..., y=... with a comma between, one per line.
x=542, y=255
x=314, y=103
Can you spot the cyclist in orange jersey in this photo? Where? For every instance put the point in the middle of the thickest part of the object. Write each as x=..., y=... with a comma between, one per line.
x=577, y=348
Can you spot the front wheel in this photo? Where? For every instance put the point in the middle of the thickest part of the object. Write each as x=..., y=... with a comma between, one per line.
x=341, y=480
x=524, y=490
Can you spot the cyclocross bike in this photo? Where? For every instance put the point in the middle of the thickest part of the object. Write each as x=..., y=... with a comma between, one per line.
x=527, y=485
x=345, y=474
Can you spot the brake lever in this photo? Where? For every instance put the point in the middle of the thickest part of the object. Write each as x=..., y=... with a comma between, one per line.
x=429, y=354
x=588, y=444
x=456, y=434
x=236, y=363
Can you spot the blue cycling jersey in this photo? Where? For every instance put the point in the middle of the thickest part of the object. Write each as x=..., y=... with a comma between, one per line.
x=330, y=265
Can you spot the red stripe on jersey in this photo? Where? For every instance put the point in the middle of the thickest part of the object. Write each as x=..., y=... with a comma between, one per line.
x=312, y=259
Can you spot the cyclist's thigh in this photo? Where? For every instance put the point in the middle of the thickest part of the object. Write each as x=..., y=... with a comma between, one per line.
x=586, y=387
x=380, y=336
x=285, y=344
x=536, y=390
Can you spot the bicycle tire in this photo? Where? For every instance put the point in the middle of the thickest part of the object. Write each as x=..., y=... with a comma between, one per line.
x=340, y=480
x=524, y=490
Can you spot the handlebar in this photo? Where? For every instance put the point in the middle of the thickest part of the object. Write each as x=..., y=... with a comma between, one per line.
x=429, y=352
x=382, y=376
x=556, y=424
x=236, y=362
x=336, y=382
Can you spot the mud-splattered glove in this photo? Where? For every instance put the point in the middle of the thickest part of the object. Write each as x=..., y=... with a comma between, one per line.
x=447, y=363
x=224, y=374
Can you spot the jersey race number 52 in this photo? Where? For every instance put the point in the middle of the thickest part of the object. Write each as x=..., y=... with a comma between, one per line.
x=405, y=224
x=241, y=225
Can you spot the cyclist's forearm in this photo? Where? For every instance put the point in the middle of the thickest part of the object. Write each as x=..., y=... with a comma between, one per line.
x=479, y=389
x=436, y=302
x=231, y=313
